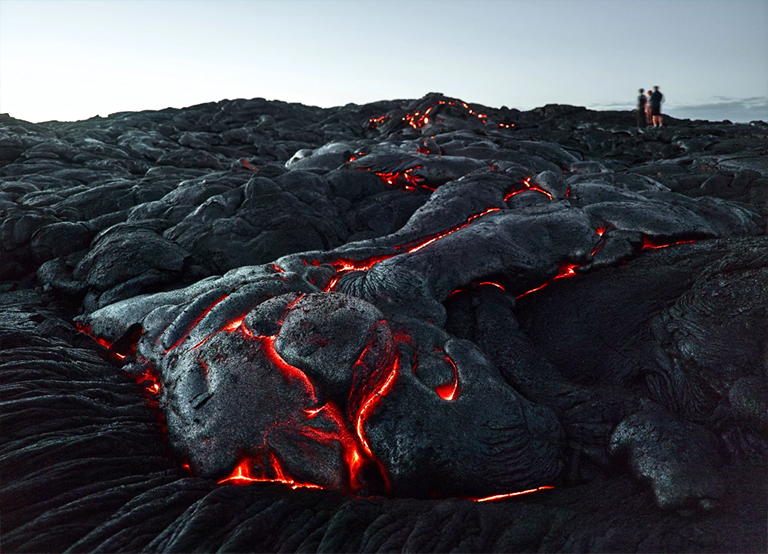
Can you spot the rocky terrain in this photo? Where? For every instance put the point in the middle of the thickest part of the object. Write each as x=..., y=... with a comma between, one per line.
x=416, y=325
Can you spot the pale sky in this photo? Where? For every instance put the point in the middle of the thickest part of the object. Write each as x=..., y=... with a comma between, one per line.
x=72, y=60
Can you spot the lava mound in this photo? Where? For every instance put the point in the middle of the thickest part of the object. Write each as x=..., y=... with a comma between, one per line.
x=422, y=325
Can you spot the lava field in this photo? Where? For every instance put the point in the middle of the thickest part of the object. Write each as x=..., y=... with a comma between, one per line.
x=414, y=325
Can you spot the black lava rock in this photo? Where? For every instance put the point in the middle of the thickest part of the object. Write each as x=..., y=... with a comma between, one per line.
x=423, y=325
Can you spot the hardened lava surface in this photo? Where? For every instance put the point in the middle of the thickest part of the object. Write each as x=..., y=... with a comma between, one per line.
x=416, y=325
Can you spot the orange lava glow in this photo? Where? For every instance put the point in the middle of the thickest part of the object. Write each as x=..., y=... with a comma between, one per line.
x=87, y=330
x=511, y=494
x=528, y=186
x=410, y=181
x=289, y=371
x=242, y=475
x=370, y=403
x=198, y=319
x=566, y=270
x=343, y=266
x=247, y=165
x=449, y=391
x=376, y=121
x=417, y=120
x=444, y=234
x=491, y=283
x=149, y=380
x=650, y=244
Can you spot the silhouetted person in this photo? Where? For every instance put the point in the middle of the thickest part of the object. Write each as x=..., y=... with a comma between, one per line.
x=641, y=102
x=648, y=116
x=656, y=99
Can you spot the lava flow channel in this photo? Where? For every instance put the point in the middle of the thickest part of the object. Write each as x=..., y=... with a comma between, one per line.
x=344, y=266
x=417, y=120
x=410, y=181
x=528, y=187
x=650, y=244
x=449, y=391
x=351, y=442
x=243, y=474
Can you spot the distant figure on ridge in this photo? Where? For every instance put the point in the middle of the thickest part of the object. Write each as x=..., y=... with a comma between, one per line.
x=641, y=104
x=656, y=99
x=648, y=116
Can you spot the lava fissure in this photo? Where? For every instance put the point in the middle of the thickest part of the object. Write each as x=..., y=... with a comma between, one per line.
x=528, y=187
x=511, y=494
x=449, y=391
x=343, y=265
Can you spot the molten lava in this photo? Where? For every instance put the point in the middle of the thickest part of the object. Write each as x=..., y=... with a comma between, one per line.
x=243, y=475
x=443, y=234
x=343, y=266
x=371, y=401
x=511, y=494
x=527, y=186
x=247, y=165
x=566, y=270
x=417, y=120
x=406, y=178
x=450, y=390
x=648, y=243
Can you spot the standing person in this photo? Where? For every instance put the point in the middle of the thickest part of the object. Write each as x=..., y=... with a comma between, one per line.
x=656, y=99
x=648, y=116
x=641, y=102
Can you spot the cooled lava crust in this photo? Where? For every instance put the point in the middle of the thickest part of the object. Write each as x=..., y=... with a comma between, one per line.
x=420, y=325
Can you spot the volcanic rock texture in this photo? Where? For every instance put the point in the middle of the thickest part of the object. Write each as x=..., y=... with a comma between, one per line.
x=410, y=325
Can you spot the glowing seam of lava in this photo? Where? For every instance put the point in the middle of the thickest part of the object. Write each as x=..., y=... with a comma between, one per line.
x=417, y=120
x=498, y=286
x=566, y=270
x=247, y=165
x=242, y=474
x=371, y=402
x=197, y=320
x=411, y=181
x=449, y=391
x=351, y=453
x=285, y=368
x=87, y=330
x=448, y=232
x=648, y=244
x=147, y=376
x=511, y=494
x=343, y=266
x=528, y=186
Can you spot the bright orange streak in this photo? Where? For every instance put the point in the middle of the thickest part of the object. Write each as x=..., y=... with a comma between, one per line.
x=566, y=270
x=446, y=233
x=528, y=186
x=449, y=391
x=287, y=369
x=242, y=475
x=233, y=325
x=493, y=284
x=647, y=243
x=511, y=494
x=247, y=165
x=197, y=320
x=371, y=402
